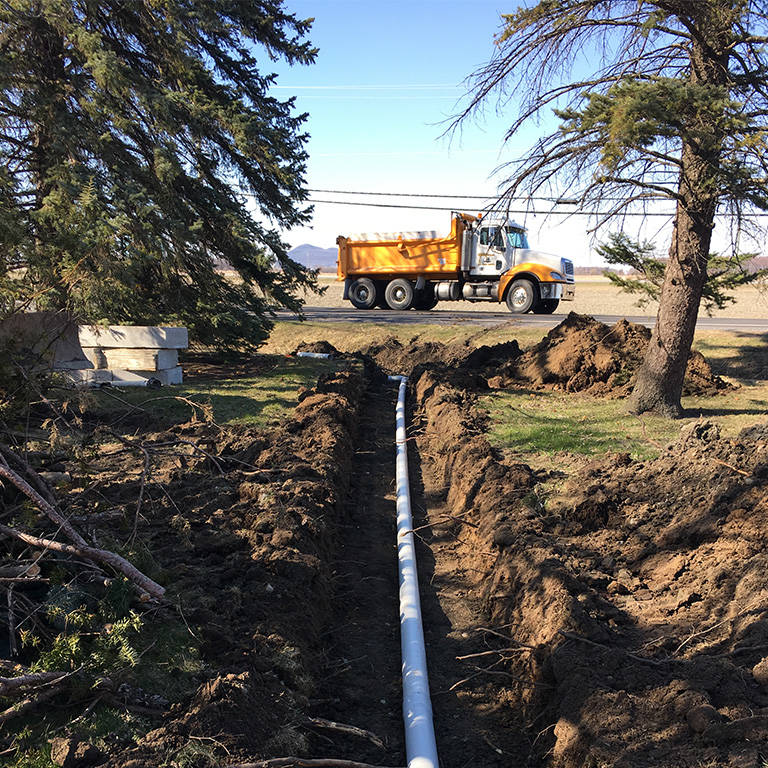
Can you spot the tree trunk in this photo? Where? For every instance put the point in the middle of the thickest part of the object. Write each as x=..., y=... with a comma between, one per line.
x=659, y=382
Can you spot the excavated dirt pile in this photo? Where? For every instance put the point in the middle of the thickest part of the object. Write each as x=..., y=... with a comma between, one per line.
x=317, y=347
x=392, y=356
x=584, y=355
x=240, y=533
x=581, y=354
x=629, y=605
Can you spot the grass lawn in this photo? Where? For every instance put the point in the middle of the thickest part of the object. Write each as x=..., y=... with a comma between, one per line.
x=353, y=337
x=535, y=425
x=261, y=391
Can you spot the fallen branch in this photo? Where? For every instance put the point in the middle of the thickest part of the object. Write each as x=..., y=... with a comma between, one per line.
x=516, y=649
x=102, y=556
x=24, y=706
x=353, y=730
x=587, y=641
x=303, y=762
x=31, y=679
x=730, y=466
x=144, y=477
x=53, y=514
x=11, y=457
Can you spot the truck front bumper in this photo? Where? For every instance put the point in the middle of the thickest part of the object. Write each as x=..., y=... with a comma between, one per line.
x=565, y=291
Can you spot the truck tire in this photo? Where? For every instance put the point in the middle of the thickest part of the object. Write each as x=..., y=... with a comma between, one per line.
x=381, y=299
x=425, y=299
x=399, y=293
x=546, y=306
x=522, y=295
x=362, y=293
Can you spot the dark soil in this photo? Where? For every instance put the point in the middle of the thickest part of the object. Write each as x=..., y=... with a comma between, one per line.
x=260, y=538
x=584, y=355
x=318, y=347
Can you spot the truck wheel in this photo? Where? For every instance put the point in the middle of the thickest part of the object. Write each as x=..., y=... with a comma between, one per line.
x=521, y=296
x=362, y=293
x=425, y=299
x=399, y=294
x=546, y=306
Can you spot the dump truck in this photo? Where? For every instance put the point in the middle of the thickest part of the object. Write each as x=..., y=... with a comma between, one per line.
x=484, y=258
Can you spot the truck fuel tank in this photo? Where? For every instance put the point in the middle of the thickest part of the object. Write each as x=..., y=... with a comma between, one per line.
x=447, y=290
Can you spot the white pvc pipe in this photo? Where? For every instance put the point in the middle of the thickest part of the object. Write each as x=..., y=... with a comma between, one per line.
x=420, y=746
x=324, y=355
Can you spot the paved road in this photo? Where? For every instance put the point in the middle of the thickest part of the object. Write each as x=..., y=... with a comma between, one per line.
x=489, y=319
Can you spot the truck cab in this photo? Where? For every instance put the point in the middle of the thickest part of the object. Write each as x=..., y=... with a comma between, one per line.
x=499, y=250
x=496, y=247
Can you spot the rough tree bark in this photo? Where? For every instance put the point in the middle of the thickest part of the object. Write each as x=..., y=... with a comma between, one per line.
x=659, y=382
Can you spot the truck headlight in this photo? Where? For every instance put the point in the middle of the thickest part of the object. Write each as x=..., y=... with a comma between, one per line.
x=556, y=276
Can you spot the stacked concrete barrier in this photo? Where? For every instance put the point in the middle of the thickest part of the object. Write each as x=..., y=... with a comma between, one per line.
x=132, y=355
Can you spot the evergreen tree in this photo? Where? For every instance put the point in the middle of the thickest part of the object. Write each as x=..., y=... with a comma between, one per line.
x=724, y=273
x=673, y=106
x=136, y=139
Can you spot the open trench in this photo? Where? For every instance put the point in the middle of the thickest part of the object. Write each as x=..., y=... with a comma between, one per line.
x=360, y=683
x=559, y=632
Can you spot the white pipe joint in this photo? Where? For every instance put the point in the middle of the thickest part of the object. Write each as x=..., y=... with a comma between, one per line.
x=420, y=746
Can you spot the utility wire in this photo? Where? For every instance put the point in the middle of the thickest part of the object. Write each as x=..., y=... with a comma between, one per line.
x=506, y=210
x=558, y=200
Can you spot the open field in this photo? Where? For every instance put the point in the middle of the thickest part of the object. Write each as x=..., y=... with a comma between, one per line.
x=594, y=296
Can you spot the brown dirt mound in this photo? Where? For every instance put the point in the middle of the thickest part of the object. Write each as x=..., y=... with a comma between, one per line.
x=394, y=357
x=580, y=355
x=318, y=347
x=635, y=594
x=463, y=363
x=584, y=355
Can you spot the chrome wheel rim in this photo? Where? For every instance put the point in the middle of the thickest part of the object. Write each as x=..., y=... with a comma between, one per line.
x=519, y=297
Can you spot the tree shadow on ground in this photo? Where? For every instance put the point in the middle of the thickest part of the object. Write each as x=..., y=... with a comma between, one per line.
x=749, y=360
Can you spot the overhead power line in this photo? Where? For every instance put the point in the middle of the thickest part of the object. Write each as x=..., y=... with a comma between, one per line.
x=443, y=196
x=515, y=211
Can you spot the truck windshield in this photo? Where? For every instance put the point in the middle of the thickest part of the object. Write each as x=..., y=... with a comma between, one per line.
x=494, y=236
x=516, y=238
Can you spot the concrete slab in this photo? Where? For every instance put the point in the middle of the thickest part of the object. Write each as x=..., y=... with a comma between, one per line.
x=133, y=359
x=89, y=377
x=134, y=337
x=118, y=376
x=166, y=378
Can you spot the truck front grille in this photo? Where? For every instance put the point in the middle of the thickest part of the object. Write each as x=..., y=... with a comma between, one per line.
x=567, y=269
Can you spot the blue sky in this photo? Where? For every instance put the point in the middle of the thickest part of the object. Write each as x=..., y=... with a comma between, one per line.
x=387, y=78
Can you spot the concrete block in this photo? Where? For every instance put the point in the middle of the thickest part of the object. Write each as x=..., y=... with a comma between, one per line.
x=88, y=376
x=134, y=337
x=119, y=376
x=133, y=359
x=166, y=378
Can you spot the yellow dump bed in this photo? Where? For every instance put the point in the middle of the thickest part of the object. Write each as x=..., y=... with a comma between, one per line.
x=402, y=256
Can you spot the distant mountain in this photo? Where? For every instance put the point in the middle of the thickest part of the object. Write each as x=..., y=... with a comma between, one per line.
x=315, y=257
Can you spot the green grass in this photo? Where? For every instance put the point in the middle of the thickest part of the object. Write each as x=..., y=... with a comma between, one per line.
x=537, y=425
x=736, y=354
x=353, y=337
x=260, y=396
